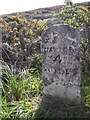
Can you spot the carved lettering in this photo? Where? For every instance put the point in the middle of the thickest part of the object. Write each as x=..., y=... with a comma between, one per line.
x=57, y=58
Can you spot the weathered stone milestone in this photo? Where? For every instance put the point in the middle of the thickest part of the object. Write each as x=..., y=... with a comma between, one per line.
x=61, y=66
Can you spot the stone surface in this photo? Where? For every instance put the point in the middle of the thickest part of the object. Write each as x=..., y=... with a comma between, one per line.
x=61, y=67
x=0, y=61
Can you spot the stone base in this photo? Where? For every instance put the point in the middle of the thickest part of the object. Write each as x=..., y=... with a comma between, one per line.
x=59, y=91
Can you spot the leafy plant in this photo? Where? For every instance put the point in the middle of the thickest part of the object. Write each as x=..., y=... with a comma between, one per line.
x=73, y=15
x=15, y=25
x=36, y=67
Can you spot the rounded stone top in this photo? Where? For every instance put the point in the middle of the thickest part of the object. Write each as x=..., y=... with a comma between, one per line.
x=62, y=28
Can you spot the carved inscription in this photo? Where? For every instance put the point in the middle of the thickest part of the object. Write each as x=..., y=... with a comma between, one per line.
x=61, y=65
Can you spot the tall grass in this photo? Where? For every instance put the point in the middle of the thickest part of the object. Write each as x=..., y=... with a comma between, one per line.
x=85, y=90
x=18, y=93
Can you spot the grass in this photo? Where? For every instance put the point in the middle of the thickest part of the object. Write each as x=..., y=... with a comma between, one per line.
x=85, y=90
x=19, y=94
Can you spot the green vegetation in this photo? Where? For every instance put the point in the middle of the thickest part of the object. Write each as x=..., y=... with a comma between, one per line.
x=15, y=25
x=22, y=91
x=73, y=15
x=19, y=94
